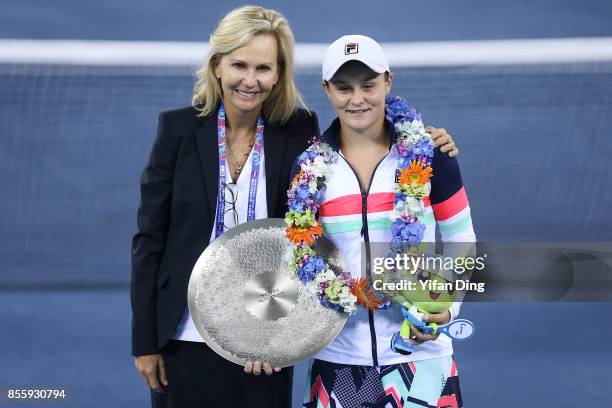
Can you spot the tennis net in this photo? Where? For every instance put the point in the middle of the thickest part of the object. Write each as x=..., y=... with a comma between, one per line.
x=77, y=124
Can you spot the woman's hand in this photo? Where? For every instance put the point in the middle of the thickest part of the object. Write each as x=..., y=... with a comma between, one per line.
x=441, y=138
x=255, y=368
x=152, y=368
x=440, y=319
x=418, y=337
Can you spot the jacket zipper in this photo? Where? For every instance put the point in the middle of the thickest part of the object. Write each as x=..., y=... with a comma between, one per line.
x=366, y=237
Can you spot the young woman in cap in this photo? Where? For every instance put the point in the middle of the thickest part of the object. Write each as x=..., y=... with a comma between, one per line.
x=363, y=156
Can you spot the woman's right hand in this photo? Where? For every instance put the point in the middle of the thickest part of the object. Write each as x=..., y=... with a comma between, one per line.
x=255, y=368
x=152, y=368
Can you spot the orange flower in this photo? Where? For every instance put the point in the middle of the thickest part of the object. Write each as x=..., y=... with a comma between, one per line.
x=296, y=177
x=416, y=173
x=304, y=236
x=366, y=296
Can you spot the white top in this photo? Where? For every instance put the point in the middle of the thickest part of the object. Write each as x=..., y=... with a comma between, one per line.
x=354, y=345
x=186, y=330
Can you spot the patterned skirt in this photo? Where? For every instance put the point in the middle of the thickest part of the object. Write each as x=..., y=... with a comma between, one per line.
x=424, y=383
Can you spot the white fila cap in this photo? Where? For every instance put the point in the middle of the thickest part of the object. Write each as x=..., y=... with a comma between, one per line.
x=354, y=48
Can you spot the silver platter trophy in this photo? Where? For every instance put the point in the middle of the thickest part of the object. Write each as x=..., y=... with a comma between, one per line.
x=246, y=305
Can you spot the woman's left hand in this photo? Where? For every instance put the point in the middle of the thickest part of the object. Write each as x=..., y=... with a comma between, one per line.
x=439, y=318
x=255, y=368
x=441, y=138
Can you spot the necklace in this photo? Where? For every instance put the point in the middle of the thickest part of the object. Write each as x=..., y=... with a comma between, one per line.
x=239, y=165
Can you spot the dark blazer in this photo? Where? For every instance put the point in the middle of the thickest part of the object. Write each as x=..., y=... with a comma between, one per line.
x=177, y=211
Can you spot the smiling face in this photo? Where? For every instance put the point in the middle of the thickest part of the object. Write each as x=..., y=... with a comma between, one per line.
x=248, y=74
x=434, y=297
x=358, y=96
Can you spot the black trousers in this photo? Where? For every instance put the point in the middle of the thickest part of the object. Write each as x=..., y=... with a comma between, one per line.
x=199, y=378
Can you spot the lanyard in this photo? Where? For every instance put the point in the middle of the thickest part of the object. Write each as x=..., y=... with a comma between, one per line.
x=254, y=171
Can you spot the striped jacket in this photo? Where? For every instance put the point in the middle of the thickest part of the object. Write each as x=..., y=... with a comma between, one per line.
x=354, y=219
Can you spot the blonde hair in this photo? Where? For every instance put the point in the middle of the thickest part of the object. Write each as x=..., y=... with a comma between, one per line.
x=234, y=30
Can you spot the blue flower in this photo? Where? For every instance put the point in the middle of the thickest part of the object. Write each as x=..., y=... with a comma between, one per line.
x=398, y=109
x=306, y=274
x=302, y=192
x=329, y=304
x=309, y=267
x=314, y=265
x=416, y=230
x=307, y=156
x=425, y=159
x=318, y=263
x=407, y=232
x=395, y=108
x=397, y=227
x=423, y=148
x=404, y=161
x=296, y=205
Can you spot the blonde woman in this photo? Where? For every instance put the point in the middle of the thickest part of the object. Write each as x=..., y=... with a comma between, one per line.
x=223, y=161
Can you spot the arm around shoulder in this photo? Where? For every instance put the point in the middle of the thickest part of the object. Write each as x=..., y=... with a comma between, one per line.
x=452, y=212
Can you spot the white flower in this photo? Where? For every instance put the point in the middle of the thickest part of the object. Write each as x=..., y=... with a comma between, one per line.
x=408, y=135
x=412, y=132
x=319, y=168
x=349, y=309
x=409, y=206
x=413, y=206
x=320, y=277
x=400, y=206
x=394, y=215
x=289, y=259
x=306, y=167
x=403, y=127
x=325, y=148
x=416, y=126
x=398, y=210
x=312, y=287
x=312, y=186
x=347, y=300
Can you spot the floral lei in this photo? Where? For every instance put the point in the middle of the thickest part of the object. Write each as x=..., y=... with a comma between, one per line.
x=414, y=148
